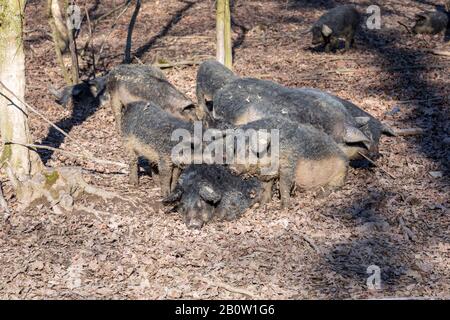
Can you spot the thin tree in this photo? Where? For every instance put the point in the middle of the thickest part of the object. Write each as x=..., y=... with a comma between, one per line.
x=223, y=33
x=60, y=36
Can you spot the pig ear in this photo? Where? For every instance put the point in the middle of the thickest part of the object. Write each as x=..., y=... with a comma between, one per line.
x=209, y=194
x=361, y=121
x=174, y=196
x=97, y=85
x=326, y=30
x=354, y=135
x=420, y=16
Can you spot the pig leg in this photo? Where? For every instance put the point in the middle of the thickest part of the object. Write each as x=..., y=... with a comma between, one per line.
x=116, y=106
x=334, y=44
x=327, y=46
x=165, y=176
x=134, y=168
x=285, y=188
x=175, y=175
x=267, y=192
x=349, y=40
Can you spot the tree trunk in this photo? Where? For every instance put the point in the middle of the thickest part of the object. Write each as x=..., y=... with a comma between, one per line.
x=27, y=174
x=223, y=32
x=13, y=114
x=59, y=35
x=72, y=47
x=60, y=25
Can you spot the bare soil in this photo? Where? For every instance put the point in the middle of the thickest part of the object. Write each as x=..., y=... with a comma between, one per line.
x=321, y=246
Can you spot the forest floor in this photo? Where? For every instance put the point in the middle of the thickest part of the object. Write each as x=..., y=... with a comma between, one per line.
x=321, y=247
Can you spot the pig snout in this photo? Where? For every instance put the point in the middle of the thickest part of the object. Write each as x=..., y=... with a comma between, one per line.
x=194, y=224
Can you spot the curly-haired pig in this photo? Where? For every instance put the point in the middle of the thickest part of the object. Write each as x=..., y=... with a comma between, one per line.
x=431, y=22
x=245, y=100
x=128, y=83
x=148, y=131
x=297, y=154
x=339, y=22
x=366, y=123
x=211, y=76
x=212, y=192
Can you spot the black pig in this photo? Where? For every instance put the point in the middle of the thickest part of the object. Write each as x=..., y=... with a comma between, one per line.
x=207, y=192
x=246, y=100
x=339, y=22
x=147, y=131
x=211, y=76
x=302, y=156
x=430, y=22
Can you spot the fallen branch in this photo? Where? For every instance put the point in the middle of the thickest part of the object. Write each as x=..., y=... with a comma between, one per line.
x=107, y=14
x=229, y=288
x=311, y=243
x=405, y=26
x=439, y=52
x=373, y=162
x=409, y=132
x=92, y=158
x=420, y=100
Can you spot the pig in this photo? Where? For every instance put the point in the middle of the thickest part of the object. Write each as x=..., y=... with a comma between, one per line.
x=245, y=100
x=128, y=83
x=370, y=126
x=211, y=76
x=305, y=157
x=339, y=22
x=431, y=22
x=147, y=131
x=211, y=192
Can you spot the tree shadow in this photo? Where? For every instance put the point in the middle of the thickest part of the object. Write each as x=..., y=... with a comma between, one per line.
x=243, y=30
x=427, y=103
x=176, y=17
x=84, y=105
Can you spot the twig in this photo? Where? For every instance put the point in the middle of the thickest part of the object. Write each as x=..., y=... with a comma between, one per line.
x=94, y=159
x=107, y=14
x=45, y=119
x=372, y=162
x=127, y=5
x=439, y=52
x=229, y=288
x=405, y=26
x=311, y=243
x=420, y=100
x=409, y=132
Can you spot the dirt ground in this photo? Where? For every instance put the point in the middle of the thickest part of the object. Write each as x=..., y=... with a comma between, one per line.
x=321, y=247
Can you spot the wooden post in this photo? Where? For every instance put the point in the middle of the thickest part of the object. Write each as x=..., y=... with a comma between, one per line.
x=223, y=33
